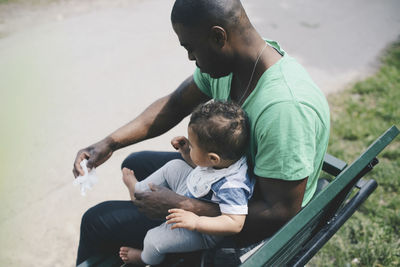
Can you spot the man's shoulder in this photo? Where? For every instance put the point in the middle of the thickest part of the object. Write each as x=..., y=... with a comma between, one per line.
x=284, y=92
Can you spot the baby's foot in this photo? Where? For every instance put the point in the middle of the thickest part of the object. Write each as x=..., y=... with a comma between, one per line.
x=129, y=180
x=131, y=255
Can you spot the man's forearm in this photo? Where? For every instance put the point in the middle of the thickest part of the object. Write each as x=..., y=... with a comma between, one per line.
x=159, y=200
x=263, y=220
x=160, y=116
x=155, y=120
x=274, y=203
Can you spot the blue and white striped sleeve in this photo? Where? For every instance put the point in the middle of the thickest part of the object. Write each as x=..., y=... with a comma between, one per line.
x=232, y=196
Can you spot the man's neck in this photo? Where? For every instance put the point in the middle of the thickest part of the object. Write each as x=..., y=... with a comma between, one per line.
x=248, y=70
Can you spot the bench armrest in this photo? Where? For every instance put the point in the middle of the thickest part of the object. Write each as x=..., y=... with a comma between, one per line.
x=332, y=165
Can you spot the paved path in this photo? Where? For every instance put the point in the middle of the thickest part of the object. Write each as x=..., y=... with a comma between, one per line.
x=71, y=72
x=337, y=41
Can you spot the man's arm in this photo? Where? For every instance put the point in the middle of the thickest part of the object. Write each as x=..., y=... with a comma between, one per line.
x=155, y=120
x=274, y=203
x=157, y=202
x=160, y=116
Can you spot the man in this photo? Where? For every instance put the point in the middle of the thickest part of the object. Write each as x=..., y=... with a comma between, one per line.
x=289, y=119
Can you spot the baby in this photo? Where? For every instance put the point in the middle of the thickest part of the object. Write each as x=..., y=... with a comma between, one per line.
x=214, y=169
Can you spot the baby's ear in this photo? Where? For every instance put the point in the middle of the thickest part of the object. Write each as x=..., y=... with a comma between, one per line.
x=214, y=158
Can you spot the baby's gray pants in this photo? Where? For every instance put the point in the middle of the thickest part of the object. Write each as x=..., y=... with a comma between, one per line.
x=161, y=240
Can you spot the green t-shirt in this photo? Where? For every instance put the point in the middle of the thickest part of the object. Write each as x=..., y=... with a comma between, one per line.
x=289, y=121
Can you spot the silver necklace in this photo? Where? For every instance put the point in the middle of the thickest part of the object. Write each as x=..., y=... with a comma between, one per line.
x=252, y=73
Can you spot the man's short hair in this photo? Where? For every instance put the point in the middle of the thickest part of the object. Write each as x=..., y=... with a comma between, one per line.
x=221, y=127
x=193, y=13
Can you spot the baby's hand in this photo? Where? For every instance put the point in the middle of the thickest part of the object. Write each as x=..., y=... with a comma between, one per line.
x=182, y=219
x=181, y=143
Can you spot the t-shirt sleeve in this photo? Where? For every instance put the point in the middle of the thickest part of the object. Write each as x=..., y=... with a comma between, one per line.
x=202, y=80
x=233, y=200
x=285, y=136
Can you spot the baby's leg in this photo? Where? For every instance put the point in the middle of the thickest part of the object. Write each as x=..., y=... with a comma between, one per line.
x=133, y=185
x=172, y=175
x=162, y=240
x=131, y=255
x=176, y=173
x=130, y=181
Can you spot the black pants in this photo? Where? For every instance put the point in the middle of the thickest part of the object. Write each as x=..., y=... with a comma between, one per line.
x=112, y=224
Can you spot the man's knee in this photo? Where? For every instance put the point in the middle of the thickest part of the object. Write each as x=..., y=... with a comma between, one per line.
x=140, y=163
x=91, y=218
x=144, y=163
x=135, y=159
x=88, y=217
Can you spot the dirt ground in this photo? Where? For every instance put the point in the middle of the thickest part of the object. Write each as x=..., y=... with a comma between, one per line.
x=73, y=71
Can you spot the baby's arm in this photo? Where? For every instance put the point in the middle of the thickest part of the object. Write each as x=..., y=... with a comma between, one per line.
x=225, y=224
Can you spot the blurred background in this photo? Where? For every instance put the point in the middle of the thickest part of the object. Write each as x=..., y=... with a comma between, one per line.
x=71, y=72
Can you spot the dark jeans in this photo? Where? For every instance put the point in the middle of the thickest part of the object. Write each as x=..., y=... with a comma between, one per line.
x=112, y=224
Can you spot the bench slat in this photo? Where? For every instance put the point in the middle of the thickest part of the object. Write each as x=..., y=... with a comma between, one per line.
x=323, y=236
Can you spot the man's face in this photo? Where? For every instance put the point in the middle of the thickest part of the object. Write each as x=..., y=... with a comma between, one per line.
x=208, y=57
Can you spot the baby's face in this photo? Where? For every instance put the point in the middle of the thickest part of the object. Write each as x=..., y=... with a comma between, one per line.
x=198, y=155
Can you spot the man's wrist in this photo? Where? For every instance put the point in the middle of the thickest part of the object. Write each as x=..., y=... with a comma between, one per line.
x=110, y=142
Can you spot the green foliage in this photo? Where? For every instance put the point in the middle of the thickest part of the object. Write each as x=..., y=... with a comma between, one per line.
x=359, y=115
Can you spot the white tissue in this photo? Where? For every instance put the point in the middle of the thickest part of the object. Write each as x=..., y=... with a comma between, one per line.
x=88, y=180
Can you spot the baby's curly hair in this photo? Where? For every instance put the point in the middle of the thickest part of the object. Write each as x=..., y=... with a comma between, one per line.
x=221, y=127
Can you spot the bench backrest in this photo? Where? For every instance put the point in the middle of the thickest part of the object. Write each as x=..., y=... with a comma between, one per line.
x=281, y=248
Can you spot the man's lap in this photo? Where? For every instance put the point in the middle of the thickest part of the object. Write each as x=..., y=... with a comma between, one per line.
x=118, y=223
x=111, y=224
x=144, y=163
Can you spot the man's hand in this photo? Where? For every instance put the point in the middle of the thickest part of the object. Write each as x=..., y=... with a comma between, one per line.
x=96, y=155
x=181, y=144
x=182, y=219
x=157, y=202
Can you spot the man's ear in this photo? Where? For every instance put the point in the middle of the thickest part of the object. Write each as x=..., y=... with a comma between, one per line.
x=214, y=158
x=218, y=36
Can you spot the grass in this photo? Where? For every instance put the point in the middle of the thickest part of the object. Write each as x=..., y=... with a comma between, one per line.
x=359, y=115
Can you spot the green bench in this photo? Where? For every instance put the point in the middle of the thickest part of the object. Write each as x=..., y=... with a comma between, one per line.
x=302, y=237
